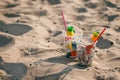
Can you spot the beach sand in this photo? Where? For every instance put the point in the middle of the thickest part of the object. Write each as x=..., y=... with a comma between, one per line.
x=32, y=45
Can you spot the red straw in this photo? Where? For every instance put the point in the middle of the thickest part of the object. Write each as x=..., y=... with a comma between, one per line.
x=64, y=21
x=89, y=47
x=100, y=34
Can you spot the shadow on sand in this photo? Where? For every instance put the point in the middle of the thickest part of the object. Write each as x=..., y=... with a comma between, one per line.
x=17, y=29
x=11, y=15
x=64, y=60
x=60, y=75
x=104, y=43
x=10, y=5
x=110, y=4
x=17, y=70
x=5, y=42
x=56, y=76
x=14, y=29
x=53, y=2
x=59, y=59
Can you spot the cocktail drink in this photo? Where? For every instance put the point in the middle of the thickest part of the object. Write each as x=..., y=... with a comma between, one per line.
x=85, y=50
x=70, y=44
x=80, y=46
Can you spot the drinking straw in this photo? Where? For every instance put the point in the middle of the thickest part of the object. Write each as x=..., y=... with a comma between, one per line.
x=100, y=35
x=91, y=46
x=64, y=21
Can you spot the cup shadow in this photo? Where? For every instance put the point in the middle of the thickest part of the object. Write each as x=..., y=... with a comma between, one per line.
x=104, y=43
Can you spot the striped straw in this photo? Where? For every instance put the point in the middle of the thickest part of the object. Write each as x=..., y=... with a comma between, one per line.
x=65, y=26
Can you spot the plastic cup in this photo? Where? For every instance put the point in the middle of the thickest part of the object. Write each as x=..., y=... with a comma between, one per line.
x=85, y=50
x=70, y=46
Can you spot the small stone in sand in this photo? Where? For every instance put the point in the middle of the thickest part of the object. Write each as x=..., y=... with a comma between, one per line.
x=54, y=23
x=48, y=40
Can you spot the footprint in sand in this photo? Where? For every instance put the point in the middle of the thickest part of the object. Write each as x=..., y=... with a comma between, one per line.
x=91, y=5
x=17, y=70
x=108, y=17
x=110, y=4
x=16, y=29
x=5, y=42
x=81, y=10
x=11, y=15
x=81, y=17
x=10, y=5
x=42, y=13
x=112, y=17
x=53, y=2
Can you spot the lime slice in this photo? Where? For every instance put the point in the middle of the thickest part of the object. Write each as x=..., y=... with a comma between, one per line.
x=96, y=34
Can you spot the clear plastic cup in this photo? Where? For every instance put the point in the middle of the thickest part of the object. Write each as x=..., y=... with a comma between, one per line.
x=85, y=50
x=71, y=46
x=81, y=47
